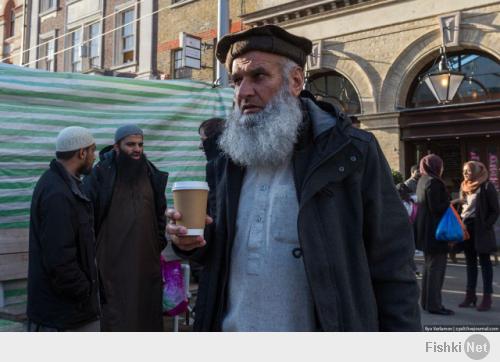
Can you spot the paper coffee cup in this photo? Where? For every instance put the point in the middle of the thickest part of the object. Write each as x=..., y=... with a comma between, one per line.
x=190, y=199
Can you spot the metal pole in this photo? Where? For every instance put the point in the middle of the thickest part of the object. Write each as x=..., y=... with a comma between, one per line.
x=222, y=29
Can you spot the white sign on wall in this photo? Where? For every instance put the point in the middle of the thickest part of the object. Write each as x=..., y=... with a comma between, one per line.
x=314, y=60
x=450, y=29
x=191, y=54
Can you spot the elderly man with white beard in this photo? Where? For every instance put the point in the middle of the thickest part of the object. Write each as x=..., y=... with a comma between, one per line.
x=308, y=232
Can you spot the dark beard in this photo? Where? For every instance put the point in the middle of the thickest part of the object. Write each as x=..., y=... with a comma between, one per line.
x=130, y=170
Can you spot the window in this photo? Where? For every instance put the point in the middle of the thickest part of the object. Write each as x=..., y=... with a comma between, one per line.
x=126, y=39
x=481, y=82
x=334, y=88
x=46, y=5
x=76, y=51
x=94, y=45
x=46, y=54
x=12, y=27
x=178, y=70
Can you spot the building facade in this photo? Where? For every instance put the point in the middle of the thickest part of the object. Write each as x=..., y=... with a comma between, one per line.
x=370, y=58
x=114, y=37
x=12, y=20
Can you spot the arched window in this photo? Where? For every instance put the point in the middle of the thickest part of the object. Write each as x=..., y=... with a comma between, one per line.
x=12, y=27
x=9, y=15
x=335, y=88
x=481, y=82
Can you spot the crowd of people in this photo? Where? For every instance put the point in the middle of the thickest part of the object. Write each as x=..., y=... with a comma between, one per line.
x=426, y=199
x=305, y=230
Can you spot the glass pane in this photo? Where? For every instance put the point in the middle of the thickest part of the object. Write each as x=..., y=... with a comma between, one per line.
x=94, y=30
x=128, y=30
x=128, y=43
x=50, y=48
x=128, y=16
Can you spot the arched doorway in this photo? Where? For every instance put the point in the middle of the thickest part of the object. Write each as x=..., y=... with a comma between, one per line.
x=466, y=129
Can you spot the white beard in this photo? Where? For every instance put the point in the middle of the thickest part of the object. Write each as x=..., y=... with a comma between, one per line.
x=267, y=138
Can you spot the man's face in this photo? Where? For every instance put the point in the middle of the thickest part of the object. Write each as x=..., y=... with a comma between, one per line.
x=257, y=78
x=88, y=158
x=133, y=146
x=416, y=174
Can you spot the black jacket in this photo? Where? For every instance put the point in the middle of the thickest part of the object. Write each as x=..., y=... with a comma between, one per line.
x=62, y=276
x=433, y=200
x=487, y=212
x=99, y=186
x=354, y=233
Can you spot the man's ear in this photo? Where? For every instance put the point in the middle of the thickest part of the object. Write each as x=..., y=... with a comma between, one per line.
x=116, y=148
x=296, y=81
x=82, y=153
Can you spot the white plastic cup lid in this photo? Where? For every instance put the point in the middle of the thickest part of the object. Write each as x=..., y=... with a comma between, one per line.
x=190, y=185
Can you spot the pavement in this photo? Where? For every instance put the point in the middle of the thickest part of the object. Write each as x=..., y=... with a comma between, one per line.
x=453, y=294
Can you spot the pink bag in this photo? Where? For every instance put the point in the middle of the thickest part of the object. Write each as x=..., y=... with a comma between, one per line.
x=175, y=301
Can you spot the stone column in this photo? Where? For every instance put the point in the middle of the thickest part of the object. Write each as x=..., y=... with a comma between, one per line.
x=385, y=127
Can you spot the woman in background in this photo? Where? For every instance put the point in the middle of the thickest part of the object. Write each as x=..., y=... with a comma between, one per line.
x=433, y=201
x=479, y=213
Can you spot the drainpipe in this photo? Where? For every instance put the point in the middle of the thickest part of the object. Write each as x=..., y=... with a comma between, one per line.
x=23, y=32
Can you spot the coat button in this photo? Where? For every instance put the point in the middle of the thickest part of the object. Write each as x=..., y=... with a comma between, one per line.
x=353, y=158
x=341, y=169
x=297, y=253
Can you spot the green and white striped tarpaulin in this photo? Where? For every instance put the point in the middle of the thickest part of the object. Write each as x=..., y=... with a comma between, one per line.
x=35, y=105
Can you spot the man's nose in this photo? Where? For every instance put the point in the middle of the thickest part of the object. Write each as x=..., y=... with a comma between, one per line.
x=245, y=90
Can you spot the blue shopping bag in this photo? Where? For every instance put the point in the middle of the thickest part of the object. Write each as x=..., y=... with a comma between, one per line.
x=450, y=228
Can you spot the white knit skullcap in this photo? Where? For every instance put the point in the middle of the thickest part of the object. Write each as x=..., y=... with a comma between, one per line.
x=74, y=138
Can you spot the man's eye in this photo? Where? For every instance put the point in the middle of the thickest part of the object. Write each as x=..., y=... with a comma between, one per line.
x=236, y=81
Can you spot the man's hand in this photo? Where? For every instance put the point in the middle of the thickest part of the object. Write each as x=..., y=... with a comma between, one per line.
x=178, y=233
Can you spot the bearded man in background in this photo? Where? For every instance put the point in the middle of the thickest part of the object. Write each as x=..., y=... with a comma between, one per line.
x=128, y=193
x=308, y=233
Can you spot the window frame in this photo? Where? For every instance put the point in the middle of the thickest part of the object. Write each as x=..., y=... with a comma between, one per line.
x=45, y=8
x=12, y=23
x=120, y=36
x=98, y=45
x=46, y=42
x=76, y=51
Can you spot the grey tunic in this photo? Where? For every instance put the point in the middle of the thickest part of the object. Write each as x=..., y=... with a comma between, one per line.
x=268, y=289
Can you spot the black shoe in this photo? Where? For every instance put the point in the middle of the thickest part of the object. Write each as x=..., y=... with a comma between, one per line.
x=442, y=311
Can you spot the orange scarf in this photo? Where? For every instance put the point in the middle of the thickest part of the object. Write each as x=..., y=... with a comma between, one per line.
x=479, y=176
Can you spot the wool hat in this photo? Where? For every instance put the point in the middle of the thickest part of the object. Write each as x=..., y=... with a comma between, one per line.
x=266, y=38
x=73, y=138
x=127, y=130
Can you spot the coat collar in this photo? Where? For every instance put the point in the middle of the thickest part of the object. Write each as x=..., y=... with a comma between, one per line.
x=59, y=168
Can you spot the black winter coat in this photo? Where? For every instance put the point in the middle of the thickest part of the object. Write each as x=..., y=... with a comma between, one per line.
x=99, y=186
x=354, y=233
x=62, y=274
x=487, y=212
x=433, y=200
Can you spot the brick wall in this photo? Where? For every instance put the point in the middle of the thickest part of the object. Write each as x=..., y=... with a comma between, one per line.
x=198, y=18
